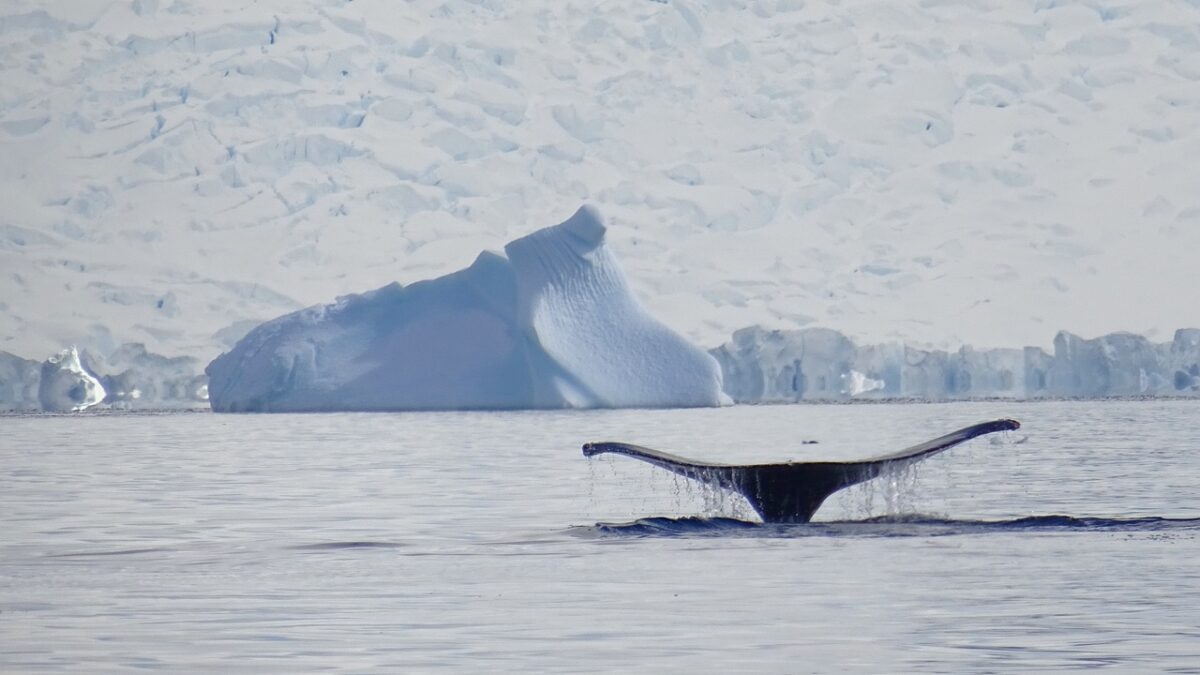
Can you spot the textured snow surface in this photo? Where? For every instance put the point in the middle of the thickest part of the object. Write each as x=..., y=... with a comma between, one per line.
x=551, y=325
x=935, y=172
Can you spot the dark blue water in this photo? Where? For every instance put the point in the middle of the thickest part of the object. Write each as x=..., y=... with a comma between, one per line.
x=486, y=542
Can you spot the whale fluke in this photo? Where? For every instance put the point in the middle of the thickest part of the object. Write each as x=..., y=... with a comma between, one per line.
x=791, y=492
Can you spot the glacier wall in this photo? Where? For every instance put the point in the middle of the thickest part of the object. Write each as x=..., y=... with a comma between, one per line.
x=19, y=382
x=135, y=378
x=127, y=378
x=819, y=364
x=551, y=324
x=757, y=366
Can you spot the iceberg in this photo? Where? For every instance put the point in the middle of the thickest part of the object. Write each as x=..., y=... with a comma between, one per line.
x=550, y=323
x=66, y=386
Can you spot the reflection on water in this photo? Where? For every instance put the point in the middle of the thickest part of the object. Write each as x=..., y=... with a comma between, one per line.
x=475, y=541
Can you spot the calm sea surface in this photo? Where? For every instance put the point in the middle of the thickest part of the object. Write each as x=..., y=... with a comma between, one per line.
x=193, y=542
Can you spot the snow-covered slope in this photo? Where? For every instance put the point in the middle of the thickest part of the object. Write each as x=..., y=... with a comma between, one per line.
x=938, y=172
x=551, y=325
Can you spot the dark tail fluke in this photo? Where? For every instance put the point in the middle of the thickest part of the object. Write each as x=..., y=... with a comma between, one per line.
x=791, y=492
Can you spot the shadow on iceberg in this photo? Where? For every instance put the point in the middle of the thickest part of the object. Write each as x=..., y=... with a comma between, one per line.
x=551, y=323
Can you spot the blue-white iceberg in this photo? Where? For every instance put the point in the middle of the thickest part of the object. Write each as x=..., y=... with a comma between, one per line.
x=549, y=324
x=66, y=386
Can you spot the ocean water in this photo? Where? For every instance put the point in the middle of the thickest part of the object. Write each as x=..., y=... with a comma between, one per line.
x=193, y=542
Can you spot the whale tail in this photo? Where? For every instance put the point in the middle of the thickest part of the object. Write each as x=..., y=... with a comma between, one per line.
x=791, y=492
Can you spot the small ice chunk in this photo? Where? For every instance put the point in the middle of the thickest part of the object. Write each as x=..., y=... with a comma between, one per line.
x=855, y=383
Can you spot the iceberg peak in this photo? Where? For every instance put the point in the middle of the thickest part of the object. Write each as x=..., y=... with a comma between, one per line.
x=587, y=225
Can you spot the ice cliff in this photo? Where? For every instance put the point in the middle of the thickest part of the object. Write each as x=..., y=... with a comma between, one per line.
x=758, y=365
x=550, y=324
x=776, y=366
x=126, y=378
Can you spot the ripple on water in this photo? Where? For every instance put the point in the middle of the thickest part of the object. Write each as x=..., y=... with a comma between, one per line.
x=881, y=526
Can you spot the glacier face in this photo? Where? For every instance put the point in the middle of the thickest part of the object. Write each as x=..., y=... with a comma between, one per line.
x=19, y=382
x=129, y=377
x=758, y=365
x=814, y=364
x=551, y=325
x=135, y=378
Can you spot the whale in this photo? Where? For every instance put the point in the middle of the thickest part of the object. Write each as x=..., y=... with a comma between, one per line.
x=791, y=492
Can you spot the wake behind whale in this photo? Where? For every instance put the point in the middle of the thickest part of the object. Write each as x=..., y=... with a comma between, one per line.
x=914, y=525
